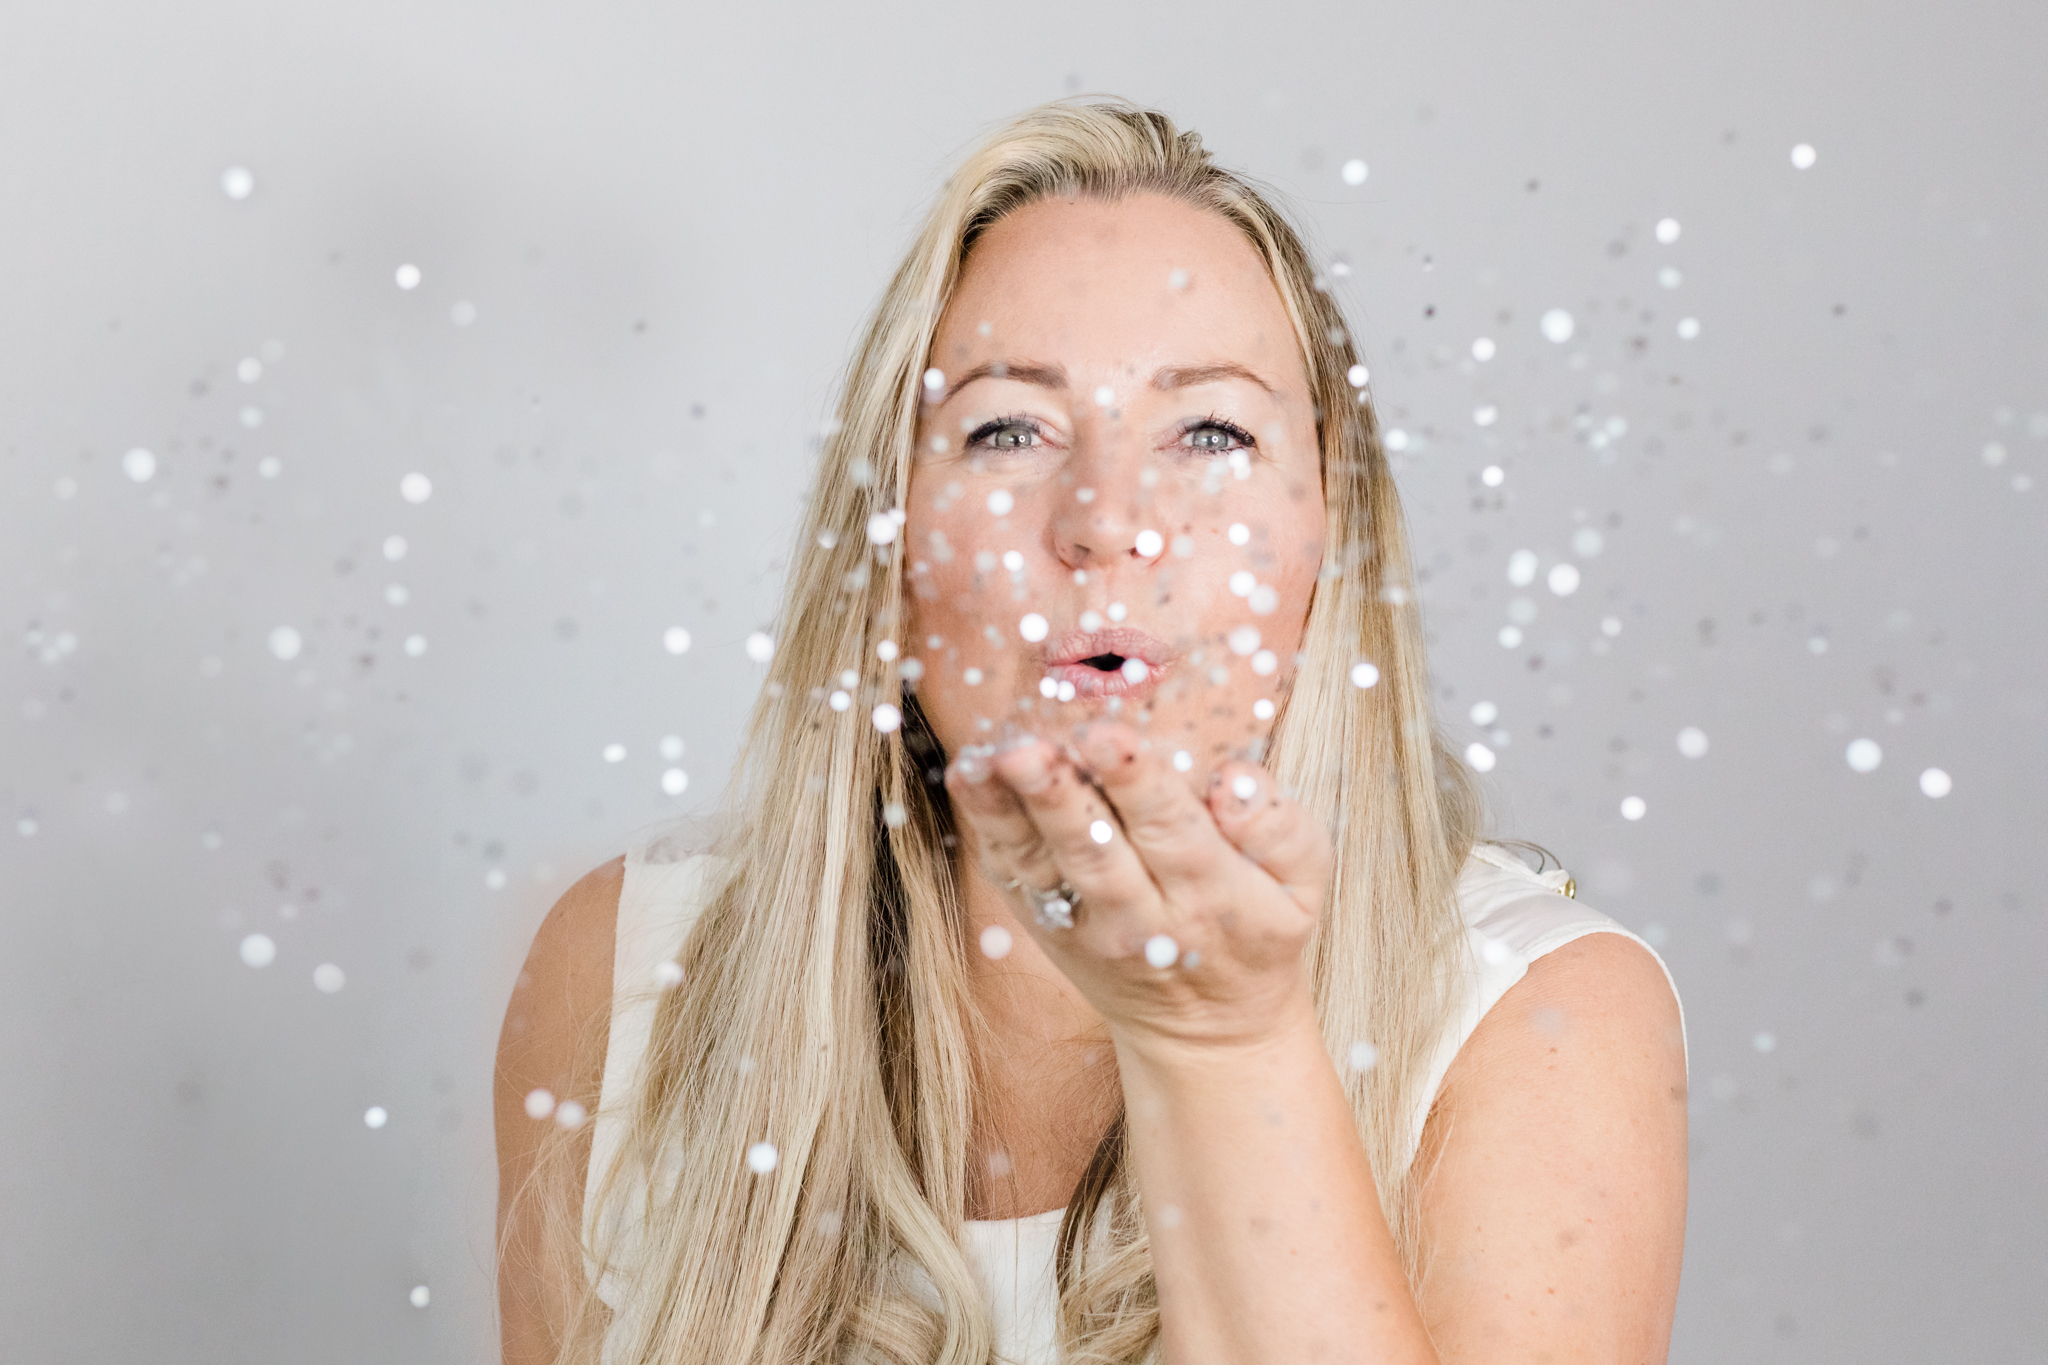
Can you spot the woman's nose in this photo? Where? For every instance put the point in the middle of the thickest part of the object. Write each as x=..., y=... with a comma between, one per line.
x=1106, y=518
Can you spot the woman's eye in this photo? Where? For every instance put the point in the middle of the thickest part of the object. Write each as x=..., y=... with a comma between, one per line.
x=1217, y=438
x=1004, y=436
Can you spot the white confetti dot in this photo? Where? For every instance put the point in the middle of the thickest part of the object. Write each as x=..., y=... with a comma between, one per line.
x=840, y=700
x=570, y=1115
x=1244, y=640
x=420, y=1297
x=881, y=528
x=396, y=594
x=676, y=640
x=1864, y=755
x=1803, y=156
x=1183, y=761
x=415, y=645
x=1364, y=674
x=375, y=1116
x=887, y=718
x=237, y=182
x=1361, y=1056
x=1265, y=662
x=614, y=753
x=1000, y=502
x=1264, y=601
x=1688, y=329
x=1485, y=415
x=408, y=276
x=1610, y=626
x=1033, y=627
x=972, y=677
x=1484, y=713
x=1396, y=439
x=760, y=647
x=270, y=466
x=540, y=1103
x=1135, y=671
x=1104, y=396
x=1242, y=582
x=996, y=943
x=1494, y=952
x=1263, y=708
x=1510, y=637
x=1161, y=951
x=394, y=547
x=1667, y=230
x=1355, y=172
x=26, y=826
x=761, y=1158
x=674, y=781
x=1765, y=1042
x=934, y=383
x=1692, y=742
x=1522, y=568
x=1563, y=579
x=285, y=643
x=1558, y=326
x=258, y=950
x=668, y=975
x=1936, y=783
x=1358, y=376
x=1244, y=786
x=1633, y=808
x=252, y=417
x=1481, y=758
x=463, y=313
x=1483, y=349
x=1148, y=544
x=1240, y=534
x=495, y=879
x=416, y=488
x=1101, y=831
x=1493, y=476
x=1587, y=542
x=249, y=369
x=328, y=978
x=1177, y=279
x=139, y=465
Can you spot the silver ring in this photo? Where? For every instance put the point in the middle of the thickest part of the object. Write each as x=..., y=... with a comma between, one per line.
x=1052, y=909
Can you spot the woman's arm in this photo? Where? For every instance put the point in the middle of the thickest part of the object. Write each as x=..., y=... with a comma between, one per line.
x=1559, y=1193
x=566, y=983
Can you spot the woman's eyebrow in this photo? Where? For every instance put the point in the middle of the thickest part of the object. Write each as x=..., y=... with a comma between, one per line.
x=1024, y=371
x=1186, y=376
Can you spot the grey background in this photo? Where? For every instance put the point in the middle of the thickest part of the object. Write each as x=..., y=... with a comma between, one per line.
x=669, y=221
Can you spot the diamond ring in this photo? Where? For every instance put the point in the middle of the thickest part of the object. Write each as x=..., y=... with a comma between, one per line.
x=1052, y=909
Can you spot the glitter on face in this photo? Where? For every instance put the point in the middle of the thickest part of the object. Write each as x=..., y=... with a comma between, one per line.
x=1263, y=708
x=1161, y=951
x=1183, y=761
x=1000, y=502
x=1033, y=627
x=1479, y=757
x=1264, y=601
x=1148, y=544
x=1355, y=172
x=934, y=384
x=1558, y=326
x=258, y=950
x=1104, y=396
x=1364, y=674
x=1935, y=783
x=1244, y=786
x=1242, y=582
x=1265, y=662
x=1864, y=755
x=761, y=1158
x=139, y=465
x=416, y=488
x=1633, y=808
x=1136, y=671
x=996, y=943
x=1244, y=640
x=1101, y=831
x=1692, y=742
x=328, y=978
x=1240, y=534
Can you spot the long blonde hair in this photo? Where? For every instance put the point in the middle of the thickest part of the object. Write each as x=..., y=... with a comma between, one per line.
x=826, y=1006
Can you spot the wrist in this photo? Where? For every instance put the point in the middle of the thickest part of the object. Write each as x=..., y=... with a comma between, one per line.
x=1279, y=1030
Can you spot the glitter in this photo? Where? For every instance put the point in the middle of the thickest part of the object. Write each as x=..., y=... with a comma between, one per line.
x=1244, y=786
x=885, y=650
x=614, y=753
x=407, y=276
x=1364, y=674
x=419, y=1297
x=1587, y=542
x=1361, y=1056
x=416, y=488
x=881, y=528
x=258, y=950
x=1669, y=277
x=1104, y=396
x=495, y=879
x=1610, y=626
x=269, y=466
x=1486, y=415
x=934, y=384
x=1358, y=375
x=761, y=1158
x=1148, y=544
x=1522, y=568
x=569, y=1115
x=328, y=978
x=252, y=417
x=910, y=669
x=1013, y=561
x=1558, y=326
x=1692, y=742
x=139, y=465
x=760, y=647
x=1355, y=172
x=1161, y=951
x=396, y=595
x=26, y=826
x=1117, y=611
x=1265, y=662
x=1510, y=637
x=463, y=313
x=1864, y=755
x=394, y=547
x=1563, y=579
x=1688, y=328
x=375, y=1116
x=674, y=781
x=839, y=700
x=671, y=747
x=1177, y=279
x=1803, y=156
x=540, y=1103
x=668, y=975
x=1667, y=230
x=1483, y=349
x=1244, y=640
x=1101, y=831
x=887, y=718
x=1484, y=713
x=1000, y=502
x=66, y=488
x=996, y=943
x=1240, y=534
x=1396, y=439
x=237, y=182
x=1183, y=761
x=1765, y=1042
x=1936, y=783
x=1263, y=709
x=1633, y=808
x=1993, y=453
x=676, y=640
x=249, y=369
x=1033, y=627
x=1048, y=688
x=1479, y=757
x=1264, y=601
x=1136, y=671
x=1493, y=476
x=285, y=643
x=1066, y=692
x=415, y=645
x=1242, y=582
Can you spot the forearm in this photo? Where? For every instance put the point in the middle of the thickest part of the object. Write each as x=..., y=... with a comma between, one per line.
x=1267, y=1238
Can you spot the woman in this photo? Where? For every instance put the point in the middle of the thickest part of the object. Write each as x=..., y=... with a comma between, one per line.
x=1098, y=962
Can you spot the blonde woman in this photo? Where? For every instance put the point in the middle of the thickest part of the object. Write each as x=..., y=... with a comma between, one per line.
x=1098, y=961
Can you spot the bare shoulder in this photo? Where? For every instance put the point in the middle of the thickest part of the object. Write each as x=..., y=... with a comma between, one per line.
x=553, y=1039
x=1554, y=1207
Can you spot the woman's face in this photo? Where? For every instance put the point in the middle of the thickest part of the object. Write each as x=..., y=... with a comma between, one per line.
x=1116, y=507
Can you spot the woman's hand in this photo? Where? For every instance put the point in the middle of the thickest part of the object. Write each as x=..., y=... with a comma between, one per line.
x=1224, y=893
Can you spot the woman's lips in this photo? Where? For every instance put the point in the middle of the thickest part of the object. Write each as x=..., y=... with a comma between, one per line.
x=1143, y=661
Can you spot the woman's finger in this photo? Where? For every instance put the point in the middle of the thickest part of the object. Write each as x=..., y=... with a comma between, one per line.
x=1272, y=830
x=1094, y=855
x=1007, y=842
x=1169, y=827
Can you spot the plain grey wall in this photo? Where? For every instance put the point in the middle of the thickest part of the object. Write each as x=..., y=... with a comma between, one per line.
x=1822, y=519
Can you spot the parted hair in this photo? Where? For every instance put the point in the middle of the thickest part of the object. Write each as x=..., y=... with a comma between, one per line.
x=824, y=1006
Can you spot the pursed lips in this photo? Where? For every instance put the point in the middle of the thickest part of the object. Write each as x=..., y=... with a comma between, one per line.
x=1114, y=662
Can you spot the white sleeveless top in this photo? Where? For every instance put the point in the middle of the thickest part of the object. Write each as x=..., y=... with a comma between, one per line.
x=1512, y=917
